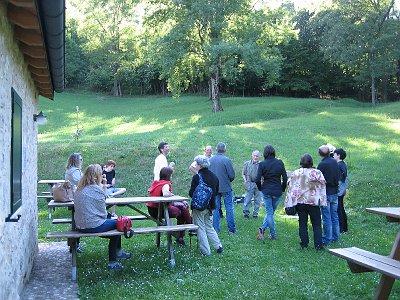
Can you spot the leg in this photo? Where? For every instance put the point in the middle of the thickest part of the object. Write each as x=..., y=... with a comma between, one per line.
x=342, y=215
x=268, y=211
x=246, y=203
x=271, y=225
x=216, y=215
x=113, y=245
x=257, y=200
x=335, y=218
x=211, y=233
x=230, y=215
x=315, y=216
x=303, y=226
x=327, y=223
x=198, y=219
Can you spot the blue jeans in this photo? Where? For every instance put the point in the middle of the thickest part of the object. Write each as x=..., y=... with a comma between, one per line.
x=330, y=220
x=271, y=203
x=230, y=216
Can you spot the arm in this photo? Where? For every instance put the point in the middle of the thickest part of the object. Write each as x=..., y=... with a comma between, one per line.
x=284, y=177
x=259, y=176
x=244, y=175
x=165, y=191
x=230, y=170
x=194, y=184
x=77, y=175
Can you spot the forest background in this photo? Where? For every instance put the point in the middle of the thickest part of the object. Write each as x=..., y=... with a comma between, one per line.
x=326, y=49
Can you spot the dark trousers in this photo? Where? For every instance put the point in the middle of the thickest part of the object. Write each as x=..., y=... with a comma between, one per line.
x=342, y=215
x=305, y=210
x=114, y=243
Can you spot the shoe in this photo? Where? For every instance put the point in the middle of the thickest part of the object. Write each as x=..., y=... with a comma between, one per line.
x=231, y=233
x=303, y=246
x=79, y=249
x=114, y=265
x=124, y=255
x=272, y=237
x=219, y=250
x=255, y=217
x=260, y=235
x=180, y=241
x=320, y=248
x=246, y=216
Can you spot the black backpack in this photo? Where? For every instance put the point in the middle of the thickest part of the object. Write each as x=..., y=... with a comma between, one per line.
x=201, y=195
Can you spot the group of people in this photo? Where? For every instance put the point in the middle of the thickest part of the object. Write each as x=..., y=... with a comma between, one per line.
x=310, y=191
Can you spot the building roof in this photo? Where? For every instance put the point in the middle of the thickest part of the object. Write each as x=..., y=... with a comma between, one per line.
x=39, y=27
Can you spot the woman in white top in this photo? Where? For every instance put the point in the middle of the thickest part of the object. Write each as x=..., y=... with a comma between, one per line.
x=73, y=172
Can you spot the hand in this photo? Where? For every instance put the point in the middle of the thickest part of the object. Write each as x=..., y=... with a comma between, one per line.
x=172, y=165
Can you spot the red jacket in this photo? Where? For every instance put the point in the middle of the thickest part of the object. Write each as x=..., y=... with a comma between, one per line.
x=155, y=190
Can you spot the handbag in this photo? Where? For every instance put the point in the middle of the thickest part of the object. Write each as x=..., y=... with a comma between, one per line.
x=124, y=224
x=290, y=211
x=63, y=192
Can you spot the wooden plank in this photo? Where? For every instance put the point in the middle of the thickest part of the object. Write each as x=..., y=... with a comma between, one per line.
x=51, y=181
x=28, y=36
x=393, y=212
x=69, y=220
x=137, y=200
x=369, y=260
x=45, y=196
x=53, y=204
x=143, y=230
x=22, y=17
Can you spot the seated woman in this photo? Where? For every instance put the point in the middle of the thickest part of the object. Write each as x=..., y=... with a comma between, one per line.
x=307, y=192
x=73, y=171
x=91, y=215
x=178, y=210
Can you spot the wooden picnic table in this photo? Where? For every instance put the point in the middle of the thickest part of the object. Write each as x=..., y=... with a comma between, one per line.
x=360, y=260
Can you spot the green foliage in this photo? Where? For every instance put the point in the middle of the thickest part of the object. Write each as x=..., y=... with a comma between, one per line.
x=128, y=130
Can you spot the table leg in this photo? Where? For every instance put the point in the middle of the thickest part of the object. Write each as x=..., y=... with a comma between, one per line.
x=73, y=246
x=171, y=256
x=159, y=217
x=386, y=282
x=50, y=190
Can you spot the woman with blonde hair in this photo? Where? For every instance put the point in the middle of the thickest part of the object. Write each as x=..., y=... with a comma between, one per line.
x=73, y=172
x=91, y=214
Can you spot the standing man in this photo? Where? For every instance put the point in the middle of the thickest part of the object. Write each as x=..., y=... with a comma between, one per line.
x=221, y=166
x=330, y=169
x=207, y=153
x=249, y=174
x=161, y=160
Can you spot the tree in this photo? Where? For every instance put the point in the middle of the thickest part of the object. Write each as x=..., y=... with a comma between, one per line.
x=205, y=39
x=362, y=35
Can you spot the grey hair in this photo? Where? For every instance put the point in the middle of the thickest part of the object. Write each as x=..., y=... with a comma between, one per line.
x=256, y=152
x=202, y=161
x=221, y=148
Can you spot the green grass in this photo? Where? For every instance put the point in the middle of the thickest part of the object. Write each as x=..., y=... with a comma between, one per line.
x=129, y=130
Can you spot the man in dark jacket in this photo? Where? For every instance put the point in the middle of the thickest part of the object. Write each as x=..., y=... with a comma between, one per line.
x=222, y=167
x=330, y=169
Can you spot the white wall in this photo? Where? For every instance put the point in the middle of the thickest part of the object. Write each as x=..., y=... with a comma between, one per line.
x=18, y=240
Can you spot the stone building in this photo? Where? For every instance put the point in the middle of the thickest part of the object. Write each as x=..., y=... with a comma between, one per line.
x=31, y=64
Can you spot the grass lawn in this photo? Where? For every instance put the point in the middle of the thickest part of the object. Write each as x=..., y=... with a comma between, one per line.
x=128, y=130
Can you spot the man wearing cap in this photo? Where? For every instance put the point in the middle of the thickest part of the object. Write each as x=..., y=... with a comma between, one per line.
x=222, y=167
x=249, y=174
x=330, y=169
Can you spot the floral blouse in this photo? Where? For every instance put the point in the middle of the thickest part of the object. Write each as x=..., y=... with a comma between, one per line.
x=306, y=186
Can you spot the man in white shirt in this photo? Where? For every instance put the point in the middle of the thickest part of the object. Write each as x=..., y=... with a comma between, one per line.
x=161, y=160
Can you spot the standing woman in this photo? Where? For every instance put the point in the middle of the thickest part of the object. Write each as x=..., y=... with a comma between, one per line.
x=73, y=172
x=91, y=214
x=307, y=192
x=203, y=218
x=339, y=155
x=271, y=181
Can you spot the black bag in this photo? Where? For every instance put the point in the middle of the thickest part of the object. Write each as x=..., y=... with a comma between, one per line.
x=201, y=195
x=290, y=211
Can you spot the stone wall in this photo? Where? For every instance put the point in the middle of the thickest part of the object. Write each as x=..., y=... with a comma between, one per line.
x=18, y=240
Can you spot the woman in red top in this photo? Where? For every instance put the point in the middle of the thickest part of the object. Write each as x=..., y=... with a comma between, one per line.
x=178, y=210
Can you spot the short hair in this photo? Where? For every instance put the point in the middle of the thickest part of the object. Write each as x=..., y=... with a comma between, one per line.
x=202, y=161
x=161, y=146
x=221, y=147
x=306, y=161
x=110, y=163
x=165, y=173
x=269, y=151
x=255, y=152
x=92, y=175
x=341, y=152
x=323, y=151
x=74, y=160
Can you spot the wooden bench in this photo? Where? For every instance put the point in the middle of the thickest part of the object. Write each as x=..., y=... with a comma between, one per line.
x=69, y=220
x=73, y=236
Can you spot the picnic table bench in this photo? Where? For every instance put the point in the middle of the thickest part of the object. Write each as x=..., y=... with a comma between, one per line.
x=162, y=227
x=360, y=260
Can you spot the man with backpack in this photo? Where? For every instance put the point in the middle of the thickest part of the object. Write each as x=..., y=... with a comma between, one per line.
x=222, y=166
x=203, y=189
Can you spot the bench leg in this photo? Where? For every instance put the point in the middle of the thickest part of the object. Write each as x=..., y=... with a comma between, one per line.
x=73, y=245
x=171, y=256
x=384, y=288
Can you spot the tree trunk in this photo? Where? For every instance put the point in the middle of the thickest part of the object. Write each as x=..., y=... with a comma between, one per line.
x=373, y=90
x=385, y=81
x=214, y=88
x=117, y=91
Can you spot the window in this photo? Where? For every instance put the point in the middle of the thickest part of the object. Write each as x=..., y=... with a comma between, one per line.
x=16, y=156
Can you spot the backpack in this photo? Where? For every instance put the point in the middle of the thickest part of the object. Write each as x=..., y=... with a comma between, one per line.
x=201, y=195
x=124, y=224
x=63, y=192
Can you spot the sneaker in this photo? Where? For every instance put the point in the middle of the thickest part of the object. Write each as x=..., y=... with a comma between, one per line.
x=114, y=265
x=320, y=248
x=272, y=237
x=260, y=235
x=303, y=246
x=246, y=216
x=220, y=249
x=124, y=255
x=231, y=233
